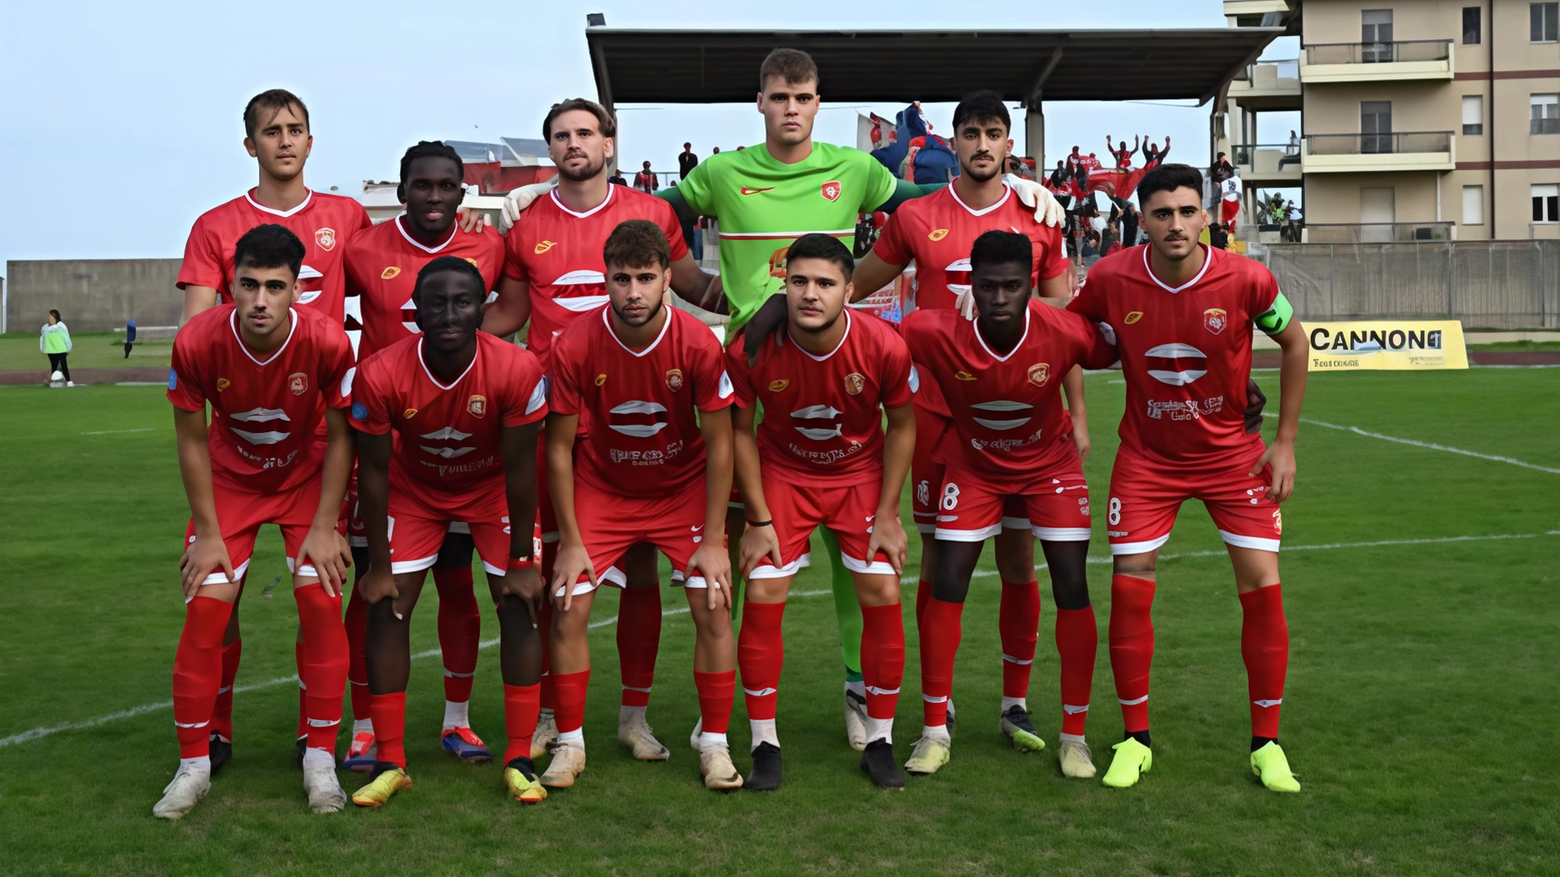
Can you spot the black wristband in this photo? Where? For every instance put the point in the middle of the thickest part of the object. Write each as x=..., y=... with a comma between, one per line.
x=769, y=523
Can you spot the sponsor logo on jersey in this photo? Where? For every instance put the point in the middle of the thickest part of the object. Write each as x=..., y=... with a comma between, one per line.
x=854, y=384
x=601, y=379
x=543, y=247
x=447, y=434
x=638, y=419
x=326, y=238
x=674, y=379
x=777, y=386
x=1215, y=319
x=1039, y=373
x=819, y=412
x=749, y=190
x=260, y=415
x=310, y=284
x=1132, y=317
x=937, y=234
x=1176, y=364
x=477, y=405
x=409, y=317
x=830, y=190
x=964, y=376
x=391, y=272
x=223, y=384
x=298, y=382
x=408, y=414
x=957, y=276
x=1002, y=406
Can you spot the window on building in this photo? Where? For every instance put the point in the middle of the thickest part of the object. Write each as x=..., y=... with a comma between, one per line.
x=1473, y=205
x=1473, y=25
x=1375, y=126
x=1546, y=203
x=1376, y=36
x=1544, y=22
x=1473, y=114
x=1545, y=114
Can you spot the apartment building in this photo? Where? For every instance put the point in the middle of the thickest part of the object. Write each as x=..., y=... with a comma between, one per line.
x=1422, y=119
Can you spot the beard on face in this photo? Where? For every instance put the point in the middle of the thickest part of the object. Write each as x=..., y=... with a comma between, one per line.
x=591, y=170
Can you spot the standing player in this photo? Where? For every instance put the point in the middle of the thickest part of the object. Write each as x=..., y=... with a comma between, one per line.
x=464, y=408
x=553, y=274
x=821, y=459
x=649, y=383
x=937, y=233
x=1000, y=375
x=273, y=375
x=1181, y=315
x=381, y=266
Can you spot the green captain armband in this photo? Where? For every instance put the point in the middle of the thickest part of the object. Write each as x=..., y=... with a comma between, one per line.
x=1276, y=318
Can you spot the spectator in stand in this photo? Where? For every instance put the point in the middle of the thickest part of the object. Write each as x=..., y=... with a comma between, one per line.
x=54, y=340
x=644, y=181
x=1122, y=153
x=1218, y=237
x=1130, y=220
x=1059, y=177
x=1221, y=170
x=1294, y=143
x=1153, y=155
x=1074, y=160
x=686, y=162
x=130, y=332
x=617, y=177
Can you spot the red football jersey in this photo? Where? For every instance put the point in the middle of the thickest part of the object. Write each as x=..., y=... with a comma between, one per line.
x=325, y=223
x=381, y=269
x=447, y=436
x=822, y=425
x=1185, y=352
x=1007, y=409
x=267, y=430
x=558, y=253
x=640, y=431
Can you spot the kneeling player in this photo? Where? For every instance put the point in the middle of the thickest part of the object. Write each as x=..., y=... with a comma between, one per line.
x=820, y=458
x=1001, y=375
x=649, y=383
x=464, y=408
x=272, y=374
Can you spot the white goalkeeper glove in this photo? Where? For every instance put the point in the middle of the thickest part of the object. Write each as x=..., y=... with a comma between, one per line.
x=519, y=199
x=1048, y=211
x=964, y=300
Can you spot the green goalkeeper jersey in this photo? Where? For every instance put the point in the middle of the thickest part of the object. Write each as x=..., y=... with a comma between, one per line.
x=763, y=205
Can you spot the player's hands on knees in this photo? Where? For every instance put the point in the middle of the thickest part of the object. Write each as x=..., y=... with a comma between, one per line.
x=327, y=550
x=888, y=536
x=1280, y=458
x=757, y=544
x=525, y=584
x=769, y=322
x=714, y=564
x=378, y=584
x=573, y=561
x=1080, y=438
x=201, y=559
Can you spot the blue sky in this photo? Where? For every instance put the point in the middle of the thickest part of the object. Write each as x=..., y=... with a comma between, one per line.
x=126, y=117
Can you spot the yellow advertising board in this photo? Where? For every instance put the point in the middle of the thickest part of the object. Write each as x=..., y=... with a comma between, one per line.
x=1397, y=345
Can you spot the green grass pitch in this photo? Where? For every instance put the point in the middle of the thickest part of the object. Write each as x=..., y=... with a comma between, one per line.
x=1420, y=710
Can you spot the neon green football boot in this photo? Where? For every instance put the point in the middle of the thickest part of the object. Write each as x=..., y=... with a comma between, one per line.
x=1132, y=760
x=1270, y=764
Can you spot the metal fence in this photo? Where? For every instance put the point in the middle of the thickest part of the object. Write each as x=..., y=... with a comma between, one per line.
x=1378, y=53
x=1485, y=284
x=1378, y=144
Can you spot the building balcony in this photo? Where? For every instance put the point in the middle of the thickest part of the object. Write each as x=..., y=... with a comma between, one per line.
x=1267, y=164
x=1377, y=232
x=1376, y=62
x=1268, y=85
x=1258, y=13
x=1356, y=153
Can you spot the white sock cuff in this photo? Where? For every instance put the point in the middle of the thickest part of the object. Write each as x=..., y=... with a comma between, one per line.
x=1070, y=738
x=575, y=738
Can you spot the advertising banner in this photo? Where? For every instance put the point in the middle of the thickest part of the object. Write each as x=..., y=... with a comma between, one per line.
x=1397, y=345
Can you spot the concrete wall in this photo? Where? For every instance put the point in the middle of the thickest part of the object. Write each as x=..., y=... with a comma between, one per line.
x=92, y=294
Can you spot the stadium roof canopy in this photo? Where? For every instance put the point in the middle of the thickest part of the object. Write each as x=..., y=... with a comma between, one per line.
x=721, y=66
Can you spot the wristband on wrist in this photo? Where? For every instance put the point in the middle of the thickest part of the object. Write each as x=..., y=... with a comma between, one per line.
x=522, y=562
x=769, y=523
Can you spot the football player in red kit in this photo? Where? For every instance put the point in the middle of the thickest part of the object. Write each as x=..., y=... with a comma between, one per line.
x=463, y=409
x=820, y=459
x=1001, y=376
x=644, y=386
x=382, y=264
x=553, y=274
x=273, y=374
x=1182, y=314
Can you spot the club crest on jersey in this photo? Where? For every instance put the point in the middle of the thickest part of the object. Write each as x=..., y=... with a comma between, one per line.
x=223, y=384
x=674, y=379
x=543, y=247
x=855, y=383
x=830, y=190
x=937, y=234
x=777, y=386
x=326, y=238
x=1133, y=317
x=1039, y=373
x=477, y=405
x=964, y=376
x=1215, y=319
x=298, y=382
x=391, y=272
x=408, y=414
x=601, y=379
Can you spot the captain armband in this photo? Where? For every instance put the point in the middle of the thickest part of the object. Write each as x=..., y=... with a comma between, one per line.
x=1276, y=318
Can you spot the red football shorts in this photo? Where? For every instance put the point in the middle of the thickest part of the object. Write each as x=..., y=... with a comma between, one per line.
x=351, y=523
x=419, y=518
x=936, y=442
x=609, y=524
x=1054, y=505
x=1145, y=497
x=798, y=509
x=240, y=514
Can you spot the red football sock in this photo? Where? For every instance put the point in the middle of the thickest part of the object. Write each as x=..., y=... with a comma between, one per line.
x=357, y=668
x=197, y=673
x=882, y=658
x=325, y=660
x=570, y=711
x=460, y=630
x=390, y=727
x=1077, y=642
x=1264, y=644
x=1018, y=619
x=549, y=696
x=940, y=635
x=521, y=706
x=638, y=641
x=760, y=655
x=716, y=693
x=222, y=713
x=303, y=686
x=1132, y=646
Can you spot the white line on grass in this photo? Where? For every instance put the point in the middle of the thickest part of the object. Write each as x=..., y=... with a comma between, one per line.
x=1429, y=445
x=118, y=431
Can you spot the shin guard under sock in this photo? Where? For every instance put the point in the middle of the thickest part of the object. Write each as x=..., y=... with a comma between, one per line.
x=1077, y=644
x=1264, y=644
x=638, y=641
x=1018, y=620
x=761, y=655
x=940, y=635
x=197, y=673
x=1132, y=646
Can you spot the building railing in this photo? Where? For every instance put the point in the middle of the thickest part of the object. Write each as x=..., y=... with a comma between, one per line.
x=1377, y=232
x=1547, y=125
x=1244, y=154
x=1377, y=144
x=1288, y=68
x=1378, y=53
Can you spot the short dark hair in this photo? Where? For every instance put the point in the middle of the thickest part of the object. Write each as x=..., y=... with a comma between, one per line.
x=275, y=100
x=269, y=246
x=431, y=149
x=1002, y=248
x=791, y=65
x=604, y=119
x=56, y=314
x=448, y=263
x=637, y=243
x=981, y=106
x=825, y=247
x=1168, y=178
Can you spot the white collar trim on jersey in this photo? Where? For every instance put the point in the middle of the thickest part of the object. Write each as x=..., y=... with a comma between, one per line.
x=591, y=212
x=975, y=324
x=233, y=324
x=1207, y=260
x=282, y=213
x=607, y=320
x=421, y=341
x=837, y=347
x=454, y=230
x=1007, y=192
